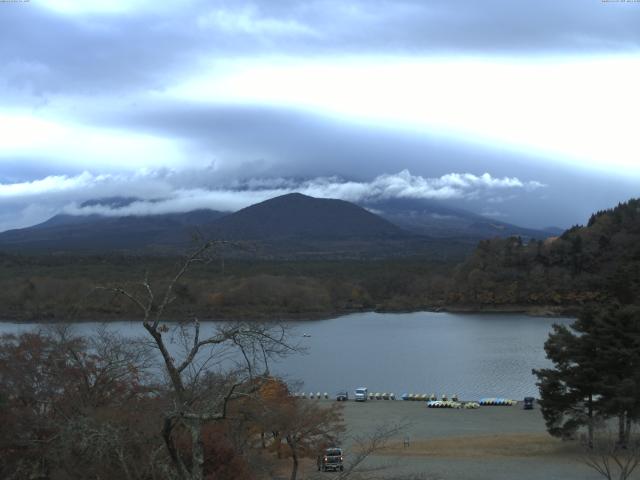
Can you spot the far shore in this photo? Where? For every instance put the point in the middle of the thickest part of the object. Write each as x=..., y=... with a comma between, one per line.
x=543, y=311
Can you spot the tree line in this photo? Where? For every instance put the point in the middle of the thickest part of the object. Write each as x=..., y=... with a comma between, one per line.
x=593, y=264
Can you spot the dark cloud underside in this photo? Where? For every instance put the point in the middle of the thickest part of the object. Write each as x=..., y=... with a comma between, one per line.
x=148, y=48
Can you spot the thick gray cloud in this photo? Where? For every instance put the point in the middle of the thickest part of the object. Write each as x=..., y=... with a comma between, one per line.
x=46, y=51
x=111, y=70
x=265, y=152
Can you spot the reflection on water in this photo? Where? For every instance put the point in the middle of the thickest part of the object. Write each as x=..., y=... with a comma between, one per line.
x=472, y=355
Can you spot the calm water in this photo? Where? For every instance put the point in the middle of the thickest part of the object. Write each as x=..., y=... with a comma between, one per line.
x=472, y=355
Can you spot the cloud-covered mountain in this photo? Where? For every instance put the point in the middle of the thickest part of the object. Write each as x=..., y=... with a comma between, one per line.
x=288, y=225
x=170, y=191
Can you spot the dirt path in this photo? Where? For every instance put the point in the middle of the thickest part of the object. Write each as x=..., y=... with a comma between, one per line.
x=486, y=447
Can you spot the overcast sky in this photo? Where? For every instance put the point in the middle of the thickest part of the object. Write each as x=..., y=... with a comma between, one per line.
x=523, y=110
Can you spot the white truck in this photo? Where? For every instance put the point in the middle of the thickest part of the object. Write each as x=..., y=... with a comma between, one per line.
x=362, y=394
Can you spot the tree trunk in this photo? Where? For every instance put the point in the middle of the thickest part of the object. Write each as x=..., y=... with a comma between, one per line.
x=621, y=429
x=278, y=441
x=294, y=457
x=590, y=423
x=173, y=451
x=627, y=433
x=197, y=451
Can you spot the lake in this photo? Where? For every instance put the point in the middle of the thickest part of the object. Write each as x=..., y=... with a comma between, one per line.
x=471, y=355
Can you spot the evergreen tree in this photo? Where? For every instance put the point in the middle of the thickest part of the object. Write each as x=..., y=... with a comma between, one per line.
x=596, y=373
x=569, y=391
x=618, y=334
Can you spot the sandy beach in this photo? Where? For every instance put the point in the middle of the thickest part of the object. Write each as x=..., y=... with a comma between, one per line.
x=492, y=443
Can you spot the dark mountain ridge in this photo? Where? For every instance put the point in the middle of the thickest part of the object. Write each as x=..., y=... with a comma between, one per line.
x=92, y=233
x=299, y=216
x=428, y=217
x=290, y=225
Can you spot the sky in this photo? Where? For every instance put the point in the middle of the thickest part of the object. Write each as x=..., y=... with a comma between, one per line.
x=524, y=111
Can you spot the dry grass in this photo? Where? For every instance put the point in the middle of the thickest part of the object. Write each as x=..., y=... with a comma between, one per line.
x=486, y=446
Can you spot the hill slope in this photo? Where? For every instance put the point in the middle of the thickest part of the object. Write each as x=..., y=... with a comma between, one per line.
x=599, y=262
x=299, y=216
x=292, y=225
x=426, y=217
x=95, y=233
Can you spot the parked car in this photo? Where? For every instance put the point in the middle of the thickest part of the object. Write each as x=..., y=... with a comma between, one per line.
x=528, y=403
x=331, y=459
x=362, y=394
x=342, y=396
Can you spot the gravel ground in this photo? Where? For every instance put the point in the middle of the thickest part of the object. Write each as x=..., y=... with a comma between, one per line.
x=493, y=443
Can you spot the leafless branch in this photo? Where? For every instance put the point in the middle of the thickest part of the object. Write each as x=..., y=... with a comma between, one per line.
x=367, y=445
x=612, y=460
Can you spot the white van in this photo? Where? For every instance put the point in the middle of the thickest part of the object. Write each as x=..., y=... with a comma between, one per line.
x=362, y=394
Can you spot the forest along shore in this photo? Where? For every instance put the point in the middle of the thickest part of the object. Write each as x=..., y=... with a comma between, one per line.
x=591, y=265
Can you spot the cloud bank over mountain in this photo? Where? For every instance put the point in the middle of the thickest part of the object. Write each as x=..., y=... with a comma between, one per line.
x=199, y=103
x=166, y=191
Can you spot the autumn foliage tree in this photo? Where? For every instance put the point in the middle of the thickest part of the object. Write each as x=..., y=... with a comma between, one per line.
x=73, y=406
x=297, y=428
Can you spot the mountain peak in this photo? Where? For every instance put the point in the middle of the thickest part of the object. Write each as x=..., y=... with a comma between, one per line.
x=299, y=215
x=293, y=195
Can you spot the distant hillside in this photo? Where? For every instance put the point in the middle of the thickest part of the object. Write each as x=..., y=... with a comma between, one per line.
x=598, y=262
x=288, y=226
x=300, y=216
x=94, y=233
x=427, y=217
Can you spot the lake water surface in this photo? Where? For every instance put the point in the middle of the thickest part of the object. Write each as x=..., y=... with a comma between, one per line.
x=472, y=355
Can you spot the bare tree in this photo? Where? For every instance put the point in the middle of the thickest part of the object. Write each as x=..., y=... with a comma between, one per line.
x=307, y=427
x=200, y=383
x=364, y=446
x=611, y=459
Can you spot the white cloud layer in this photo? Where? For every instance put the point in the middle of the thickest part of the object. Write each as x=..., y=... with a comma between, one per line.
x=247, y=20
x=166, y=191
x=27, y=135
x=559, y=109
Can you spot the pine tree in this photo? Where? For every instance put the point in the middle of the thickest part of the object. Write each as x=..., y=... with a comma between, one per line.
x=618, y=333
x=569, y=391
x=596, y=373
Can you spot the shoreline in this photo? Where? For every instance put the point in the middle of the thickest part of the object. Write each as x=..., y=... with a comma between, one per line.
x=541, y=311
